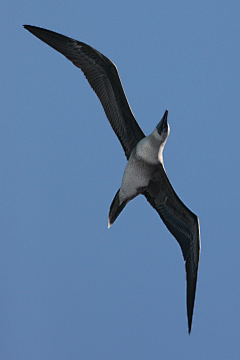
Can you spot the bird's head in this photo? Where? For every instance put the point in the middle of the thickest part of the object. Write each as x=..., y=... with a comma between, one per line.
x=163, y=127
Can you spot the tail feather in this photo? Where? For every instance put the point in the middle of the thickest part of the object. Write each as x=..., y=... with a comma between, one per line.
x=115, y=209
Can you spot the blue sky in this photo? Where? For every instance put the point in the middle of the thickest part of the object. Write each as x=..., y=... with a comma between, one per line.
x=71, y=288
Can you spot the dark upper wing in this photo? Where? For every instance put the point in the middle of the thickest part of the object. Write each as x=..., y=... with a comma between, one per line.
x=183, y=225
x=103, y=77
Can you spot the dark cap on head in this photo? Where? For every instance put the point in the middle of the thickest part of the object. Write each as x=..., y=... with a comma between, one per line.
x=163, y=125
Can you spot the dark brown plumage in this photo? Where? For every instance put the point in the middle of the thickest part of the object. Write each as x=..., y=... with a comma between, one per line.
x=103, y=77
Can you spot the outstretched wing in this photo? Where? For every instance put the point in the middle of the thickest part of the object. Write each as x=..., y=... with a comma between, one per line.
x=103, y=77
x=183, y=225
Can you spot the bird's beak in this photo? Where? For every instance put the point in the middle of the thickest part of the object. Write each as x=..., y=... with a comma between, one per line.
x=163, y=123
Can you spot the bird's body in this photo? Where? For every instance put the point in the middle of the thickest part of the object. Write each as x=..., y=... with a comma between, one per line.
x=144, y=161
x=144, y=172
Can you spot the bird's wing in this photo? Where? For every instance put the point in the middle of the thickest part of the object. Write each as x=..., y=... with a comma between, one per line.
x=103, y=77
x=183, y=225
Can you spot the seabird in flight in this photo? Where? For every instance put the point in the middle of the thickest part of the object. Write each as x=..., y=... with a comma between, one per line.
x=144, y=172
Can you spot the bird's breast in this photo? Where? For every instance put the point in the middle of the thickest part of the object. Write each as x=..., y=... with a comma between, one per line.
x=147, y=150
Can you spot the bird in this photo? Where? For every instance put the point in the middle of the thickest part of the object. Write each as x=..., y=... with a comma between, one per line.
x=144, y=173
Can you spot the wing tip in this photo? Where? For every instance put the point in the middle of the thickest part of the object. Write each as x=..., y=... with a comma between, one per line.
x=189, y=326
x=28, y=27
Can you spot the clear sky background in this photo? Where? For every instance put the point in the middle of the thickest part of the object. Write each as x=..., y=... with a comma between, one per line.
x=71, y=288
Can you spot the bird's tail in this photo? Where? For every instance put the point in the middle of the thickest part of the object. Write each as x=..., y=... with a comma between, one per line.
x=115, y=208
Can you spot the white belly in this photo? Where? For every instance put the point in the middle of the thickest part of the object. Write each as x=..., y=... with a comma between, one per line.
x=136, y=177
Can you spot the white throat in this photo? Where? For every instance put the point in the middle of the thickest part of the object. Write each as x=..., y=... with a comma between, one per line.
x=151, y=147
